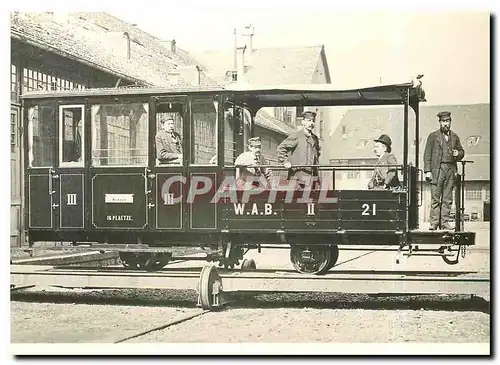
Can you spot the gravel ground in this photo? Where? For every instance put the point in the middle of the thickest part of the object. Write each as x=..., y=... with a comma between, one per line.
x=327, y=325
x=78, y=323
x=76, y=316
x=81, y=323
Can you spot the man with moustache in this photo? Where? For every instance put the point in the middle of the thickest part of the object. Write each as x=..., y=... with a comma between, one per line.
x=252, y=157
x=442, y=151
x=168, y=143
x=301, y=148
x=384, y=176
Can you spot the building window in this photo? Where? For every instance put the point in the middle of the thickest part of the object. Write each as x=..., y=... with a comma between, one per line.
x=473, y=194
x=289, y=116
x=231, y=76
x=344, y=132
x=37, y=80
x=12, y=132
x=352, y=175
x=14, y=84
x=299, y=110
x=487, y=194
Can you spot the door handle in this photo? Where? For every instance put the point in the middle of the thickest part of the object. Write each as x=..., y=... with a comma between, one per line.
x=150, y=205
x=54, y=206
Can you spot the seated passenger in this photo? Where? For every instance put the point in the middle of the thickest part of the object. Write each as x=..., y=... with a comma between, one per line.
x=252, y=157
x=384, y=177
x=168, y=143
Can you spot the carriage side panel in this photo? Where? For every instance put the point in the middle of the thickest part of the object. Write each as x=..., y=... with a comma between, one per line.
x=119, y=201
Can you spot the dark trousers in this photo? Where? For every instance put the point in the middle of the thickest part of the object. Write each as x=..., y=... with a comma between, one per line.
x=442, y=195
x=304, y=179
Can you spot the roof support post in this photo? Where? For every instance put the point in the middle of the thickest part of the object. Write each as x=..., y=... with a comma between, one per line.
x=405, y=95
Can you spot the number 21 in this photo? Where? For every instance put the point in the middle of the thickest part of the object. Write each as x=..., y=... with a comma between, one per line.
x=366, y=208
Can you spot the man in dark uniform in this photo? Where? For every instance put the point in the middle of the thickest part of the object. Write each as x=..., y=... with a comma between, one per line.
x=384, y=177
x=301, y=148
x=442, y=151
x=168, y=143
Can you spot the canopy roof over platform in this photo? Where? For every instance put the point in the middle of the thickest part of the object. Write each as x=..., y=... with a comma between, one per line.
x=267, y=95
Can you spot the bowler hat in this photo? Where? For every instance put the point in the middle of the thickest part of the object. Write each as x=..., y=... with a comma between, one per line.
x=254, y=141
x=443, y=115
x=308, y=115
x=385, y=139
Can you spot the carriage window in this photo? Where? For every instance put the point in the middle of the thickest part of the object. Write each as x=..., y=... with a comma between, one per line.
x=41, y=136
x=237, y=123
x=120, y=134
x=71, y=135
x=204, y=132
x=169, y=134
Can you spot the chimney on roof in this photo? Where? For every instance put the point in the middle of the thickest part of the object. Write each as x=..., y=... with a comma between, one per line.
x=235, y=50
x=118, y=43
x=190, y=74
x=174, y=77
x=240, y=68
x=248, y=34
x=169, y=45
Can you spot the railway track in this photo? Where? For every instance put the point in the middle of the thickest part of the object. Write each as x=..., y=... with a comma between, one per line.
x=219, y=287
x=216, y=286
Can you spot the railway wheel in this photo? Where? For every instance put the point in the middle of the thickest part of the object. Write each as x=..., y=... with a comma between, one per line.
x=334, y=250
x=209, y=287
x=248, y=265
x=311, y=261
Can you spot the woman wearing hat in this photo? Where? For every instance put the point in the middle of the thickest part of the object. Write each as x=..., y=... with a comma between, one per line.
x=384, y=177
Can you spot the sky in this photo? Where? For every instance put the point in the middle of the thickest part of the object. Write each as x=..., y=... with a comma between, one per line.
x=451, y=48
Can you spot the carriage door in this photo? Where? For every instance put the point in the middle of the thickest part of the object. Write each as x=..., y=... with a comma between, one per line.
x=69, y=193
x=15, y=178
x=41, y=174
x=119, y=166
x=169, y=212
x=203, y=168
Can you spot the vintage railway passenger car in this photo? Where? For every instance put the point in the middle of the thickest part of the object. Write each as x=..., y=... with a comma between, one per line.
x=93, y=177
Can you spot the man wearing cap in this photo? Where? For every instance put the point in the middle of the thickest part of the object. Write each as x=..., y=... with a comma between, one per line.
x=301, y=148
x=252, y=157
x=442, y=151
x=168, y=143
x=384, y=177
